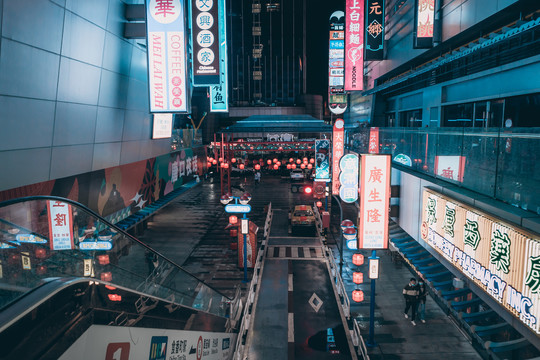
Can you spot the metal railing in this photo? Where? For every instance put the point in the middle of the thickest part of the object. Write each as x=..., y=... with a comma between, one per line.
x=358, y=341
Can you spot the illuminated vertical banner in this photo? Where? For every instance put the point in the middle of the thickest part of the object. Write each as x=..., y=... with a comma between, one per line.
x=337, y=99
x=423, y=24
x=348, y=178
x=166, y=44
x=374, y=201
x=337, y=152
x=354, y=45
x=322, y=160
x=374, y=30
x=60, y=225
x=219, y=94
x=373, y=147
x=205, y=40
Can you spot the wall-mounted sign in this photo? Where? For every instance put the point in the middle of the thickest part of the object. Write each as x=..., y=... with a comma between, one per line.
x=374, y=30
x=336, y=57
x=322, y=160
x=423, y=25
x=205, y=40
x=374, y=201
x=450, y=167
x=354, y=45
x=500, y=258
x=219, y=94
x=162, y=126
x=373, y=268
x=237, y=208
x=373, y=146
x=60, y=225
x=166, y=44
x=348, y=178
x=338, y=143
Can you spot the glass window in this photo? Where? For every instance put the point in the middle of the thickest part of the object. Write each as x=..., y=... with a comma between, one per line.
x=522, y=111
x=480, y=115
x=412, y=118
x=460, y=115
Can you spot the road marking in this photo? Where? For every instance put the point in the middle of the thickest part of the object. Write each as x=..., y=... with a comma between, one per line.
x=290, y=282
x=291, y=327
x=307, y=252
x=281, y=252
x=318, y=252
x=315, y=302
x=294, y=252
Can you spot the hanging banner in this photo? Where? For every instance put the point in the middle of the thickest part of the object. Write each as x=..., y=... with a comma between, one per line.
x=60, y=225
x=205, y=41
x=374, y=30
x=337, y=99
x=374, y=201
x=423, y=24
x=219, y=94
x=373, y=147
x=322, y=160
x=166, y=44
x=502, y=259
x=354, y=45
x=337, y=152
x=348, y=178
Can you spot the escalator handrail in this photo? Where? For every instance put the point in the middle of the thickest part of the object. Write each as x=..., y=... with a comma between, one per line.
x=116, y=228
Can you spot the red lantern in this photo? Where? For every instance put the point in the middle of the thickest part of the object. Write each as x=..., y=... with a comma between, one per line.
x=291, y=160
x=220, y=159
x=305, y=159
x=269, y=161
x=293, y=166
x=41, y=253
x=226, y=165
x=255, y=161
x=233, y=232
x=208, y=164
x=241, y=166
x=275, y=160
x=298, y=161
x=233, y=219
x=357, y=277
x=106, y=276
x=214, y=162
x=278, y=163
x=233, y=160
x=115, y=297
x=257, y=167
x=319, y=204
x=280, y=148
x=276, y=167
x=303, y=166
x=358, y=295
x=103, y=259
x=309, y=166
x=288, y=166
x=358, y=259
x=312, y=160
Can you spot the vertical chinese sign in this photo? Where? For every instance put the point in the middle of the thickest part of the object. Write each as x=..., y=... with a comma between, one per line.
x=373, y=147
x=424, y=15
x=60, y=225
x=354, y=45
x=337, y=153
x=348, y=178
x=374, y=201
x=166, y=44
x=337, y=99
x=374, y=30
x=219, y=94
x=322, y=160
x=205, y=40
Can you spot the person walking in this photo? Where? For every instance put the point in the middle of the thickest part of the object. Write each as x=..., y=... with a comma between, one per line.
x=257, y=178
x=422, y=294
x=411, y=293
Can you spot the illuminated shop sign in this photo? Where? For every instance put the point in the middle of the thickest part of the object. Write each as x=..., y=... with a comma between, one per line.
x=205, y=40
x=373, y=147
x=354, y=44
x=374, y=201
x=337, y=152
x=374, y=29
x=348, y=178
x=322, y=160
x=500, y=258
x=424, y=15
x=166, y=44
x=336, y=57
x=219, y=94
x=162, y=126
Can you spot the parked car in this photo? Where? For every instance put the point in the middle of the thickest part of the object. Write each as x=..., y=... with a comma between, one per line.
x=297, y=174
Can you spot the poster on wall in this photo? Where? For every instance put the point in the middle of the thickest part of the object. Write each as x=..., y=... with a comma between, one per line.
x=337, y=99
x=219, y=94
x=374, y=30
x=502, y=259
x=162, y=125
x=338, y=143
x=322, y=160
x=205, y=40
x=60, y=225
x=166, y=44
x=354, y=45
x=423, y=24
x=374, y=201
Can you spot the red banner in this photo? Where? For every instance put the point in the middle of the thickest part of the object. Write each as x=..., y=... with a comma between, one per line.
x=373, y=140
x=337, y=152
x=354, y=45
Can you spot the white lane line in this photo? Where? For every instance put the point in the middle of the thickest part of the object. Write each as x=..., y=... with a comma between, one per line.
x=318, y=251
x=282, y=252
x=291, y=328
x=294, y=252
x=307, y=253
x=290, y=283
x=270, y=251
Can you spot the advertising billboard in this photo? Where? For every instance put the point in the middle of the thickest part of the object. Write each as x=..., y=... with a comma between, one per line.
x=423, y=24
x=162, y=126
x=205, y=41
x=502, y=259
x=219, y=94
x=374, y=30
x=322, y=160
x=60, y=225
x=338, y=143
x=166, y=44
x=336, y=62
x=354, y=45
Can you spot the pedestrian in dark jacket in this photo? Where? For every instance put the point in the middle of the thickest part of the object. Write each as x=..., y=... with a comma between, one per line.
x=411, y=293
x=422, y=294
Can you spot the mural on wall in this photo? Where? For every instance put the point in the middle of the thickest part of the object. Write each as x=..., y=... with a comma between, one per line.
x=117, y=192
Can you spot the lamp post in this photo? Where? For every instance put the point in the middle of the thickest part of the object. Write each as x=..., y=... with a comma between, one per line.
x=244, y=209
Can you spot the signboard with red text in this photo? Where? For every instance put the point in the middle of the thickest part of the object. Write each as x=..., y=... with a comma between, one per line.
x=337, y=153
x=373, y=140
x=424, y=15
x=374, y=201
x=354, y=44
x=60, y=225
x=337, y=100
x=374, y=30
x=166, y=44
x=450, y=167
x=206, y=43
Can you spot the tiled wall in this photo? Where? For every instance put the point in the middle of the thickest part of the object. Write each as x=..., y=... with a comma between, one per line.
x=73, y=91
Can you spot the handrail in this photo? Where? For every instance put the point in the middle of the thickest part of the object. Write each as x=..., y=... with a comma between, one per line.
x=111, y=225
x=362, y=349
x=340, y=286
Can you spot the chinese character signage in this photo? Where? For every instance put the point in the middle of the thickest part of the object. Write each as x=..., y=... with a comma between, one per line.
x=424, y=15
x=500, y=258
x=205, y=40
x=166, y=44
x=450, y=167
x=348, y=178
x=162, y=126
x=322, y=160
x=374, y=30
x=374, y=201
x=354, y=45
x=373, y=147
x=337, y=153
x=337, y=100
x=219, y=94
x=60, y=225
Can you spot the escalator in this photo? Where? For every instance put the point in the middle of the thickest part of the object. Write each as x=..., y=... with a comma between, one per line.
x=73, y=285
